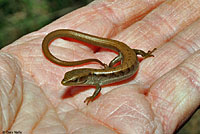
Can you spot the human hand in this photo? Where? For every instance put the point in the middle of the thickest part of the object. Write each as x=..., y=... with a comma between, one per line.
x=163, y=94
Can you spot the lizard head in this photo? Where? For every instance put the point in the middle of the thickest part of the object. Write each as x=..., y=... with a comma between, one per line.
x=76, y=77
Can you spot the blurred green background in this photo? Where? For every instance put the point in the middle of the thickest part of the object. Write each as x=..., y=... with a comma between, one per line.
x=19, y=17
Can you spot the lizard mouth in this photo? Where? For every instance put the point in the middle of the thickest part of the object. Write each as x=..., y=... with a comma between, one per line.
x=64, y=82
x=77, y=81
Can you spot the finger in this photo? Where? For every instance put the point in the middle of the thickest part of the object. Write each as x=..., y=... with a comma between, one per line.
x=162, y=24
x=169, y=55
x=177, y=94
x=104, y=17
x=11, y=89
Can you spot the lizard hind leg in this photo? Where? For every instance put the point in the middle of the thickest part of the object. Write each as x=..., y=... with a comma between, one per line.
x=117, y=59
x=144, y=54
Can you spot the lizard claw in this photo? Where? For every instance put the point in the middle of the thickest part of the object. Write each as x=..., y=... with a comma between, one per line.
x=149, y=53
x=88, y=99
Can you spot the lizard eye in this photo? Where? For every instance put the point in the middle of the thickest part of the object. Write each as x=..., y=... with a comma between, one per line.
x=74, y=80
x=82, y=79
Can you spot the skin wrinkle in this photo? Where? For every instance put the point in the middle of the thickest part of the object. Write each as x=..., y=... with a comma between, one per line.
x=40, y=119
x=135, y=117
x=13, y=84
x=145, y=36
x=20, y=105
x=10, y=106
x=3, y=87
x=12, y=98
x=120, y=17
x=162, y=66
x=180, y=40
x=3, y=69
x=115, y=110
x=32, y=56
x=128, y=20
x=51, y=125
x=194, y=12
x=66, y=128
x=24, y=105
x=84, y=14
x=143, y=31
x=109, y=11
x=103, y=123
x=70, y=104
x=140, y=12
x=83, y=55
x=163, y=20
x=2, y=112
x=188, y=39
x=196, y=82
x=74, y=54
x=5, y=119
x=194, y=47
x=62, y=44
x=158, y=105
x=135, y=109
x=73, y=51
x=10, y=67
x=171, y=90
x=53, y=71
x=28, y=54
x=190, y=75
x=78, y=128
x=164, y=108
x=82, y=19
x=170, y=114
x=99, y=121
x=181, y=100
x=175, y=8
x=55, y=125
x=154, y=28
x=75, y=130
x=137, y=123
x=12, y=110
x=130, y=116
x=151, y=123
x=106, y=8
x=5, y=113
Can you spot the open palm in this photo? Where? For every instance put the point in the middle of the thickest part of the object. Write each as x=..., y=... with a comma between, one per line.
x=161, y=96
